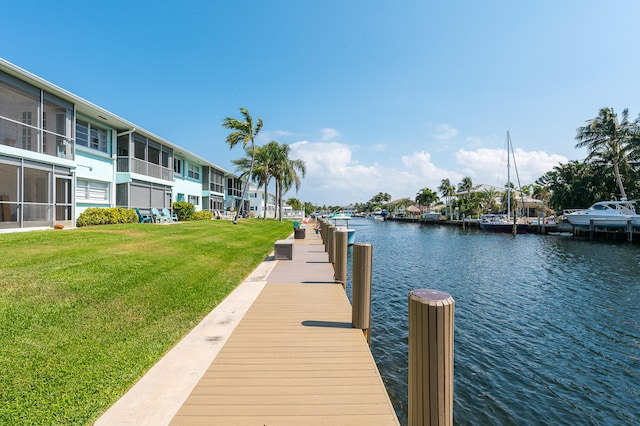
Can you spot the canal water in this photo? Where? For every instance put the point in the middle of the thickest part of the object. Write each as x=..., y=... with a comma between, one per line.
x=547, y=328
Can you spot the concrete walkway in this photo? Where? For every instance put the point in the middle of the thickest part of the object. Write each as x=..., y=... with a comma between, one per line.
x=278, y=350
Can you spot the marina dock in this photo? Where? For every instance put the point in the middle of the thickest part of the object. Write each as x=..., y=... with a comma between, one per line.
x=292, y=359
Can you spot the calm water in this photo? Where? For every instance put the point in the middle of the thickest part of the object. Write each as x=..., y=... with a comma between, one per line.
x=547, y=329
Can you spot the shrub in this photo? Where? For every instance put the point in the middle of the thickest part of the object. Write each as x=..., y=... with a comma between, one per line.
x=183, y=209
x=104, y=216
x=202, y=215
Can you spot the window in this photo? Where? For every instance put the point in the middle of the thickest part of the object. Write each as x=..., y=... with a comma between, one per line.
x=91, y=190
x=154, y=154
x=91, y=137
x=194, y=171
x=140, y=148
x=194, y=199
x=177, y=166
x=33, y=119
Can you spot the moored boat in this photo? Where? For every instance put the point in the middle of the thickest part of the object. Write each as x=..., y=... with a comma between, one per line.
x=432, y=216
x=501, y=223
x=504, y=223
x=341, y=221
x=605, y=214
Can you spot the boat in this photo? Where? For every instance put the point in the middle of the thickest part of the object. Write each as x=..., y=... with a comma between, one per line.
x=499, y=222
x=341, y=221
x=431, y=217
x=605, y=214
x=379, y=214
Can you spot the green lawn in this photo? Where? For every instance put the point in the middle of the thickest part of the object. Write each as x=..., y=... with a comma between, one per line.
x=86, y=312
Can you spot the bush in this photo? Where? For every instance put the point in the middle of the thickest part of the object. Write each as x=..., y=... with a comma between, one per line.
x=106, y=216
x=202, y=215
x=184, y=210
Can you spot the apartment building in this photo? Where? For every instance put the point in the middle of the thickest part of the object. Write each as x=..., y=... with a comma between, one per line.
x=61, y=154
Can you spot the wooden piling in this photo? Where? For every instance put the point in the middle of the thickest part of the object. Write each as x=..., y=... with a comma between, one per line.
x=341, y=248
x=430, y=358
x=330, y=243
x=361, y=288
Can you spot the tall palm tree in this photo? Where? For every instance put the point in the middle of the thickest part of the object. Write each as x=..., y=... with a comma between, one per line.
x=265, y=158
x=447, y=190
x=609, y=141
x=286, y=173
x=243, y=132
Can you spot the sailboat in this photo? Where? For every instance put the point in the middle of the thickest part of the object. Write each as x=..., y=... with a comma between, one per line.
x=498, y=222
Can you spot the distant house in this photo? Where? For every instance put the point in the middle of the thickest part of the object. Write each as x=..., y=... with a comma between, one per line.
x=258, y=204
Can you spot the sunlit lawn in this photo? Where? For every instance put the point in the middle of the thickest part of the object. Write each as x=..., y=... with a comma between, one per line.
x=84, y=313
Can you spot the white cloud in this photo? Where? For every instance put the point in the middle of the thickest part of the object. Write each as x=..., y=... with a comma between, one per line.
x=329, y=134
x=445, y=132
x=490, y=165
x=267, y=136
x=334, y=177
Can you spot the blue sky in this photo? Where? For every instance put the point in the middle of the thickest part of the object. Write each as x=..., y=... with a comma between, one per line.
x=375, y=96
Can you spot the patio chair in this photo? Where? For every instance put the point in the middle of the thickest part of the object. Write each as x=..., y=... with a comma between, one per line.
x=171, y=217
x=143, y=218
x=157, y=217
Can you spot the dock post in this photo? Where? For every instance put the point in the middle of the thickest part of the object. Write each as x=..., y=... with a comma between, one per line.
x=430, y=358
x=629, y=231
x=361, y=288
x=341, y=257
x=325, y=233
x=592, y=226
x=331, y=243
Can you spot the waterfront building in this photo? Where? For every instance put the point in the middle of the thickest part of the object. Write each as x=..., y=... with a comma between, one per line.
x=61, y=154
x=258, y=204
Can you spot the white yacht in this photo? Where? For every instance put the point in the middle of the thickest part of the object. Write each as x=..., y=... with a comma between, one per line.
x=605, y=214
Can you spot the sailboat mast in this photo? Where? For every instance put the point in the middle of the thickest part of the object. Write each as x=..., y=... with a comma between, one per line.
x=508, y=177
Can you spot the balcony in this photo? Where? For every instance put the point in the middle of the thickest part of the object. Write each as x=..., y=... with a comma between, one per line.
x=141, y=167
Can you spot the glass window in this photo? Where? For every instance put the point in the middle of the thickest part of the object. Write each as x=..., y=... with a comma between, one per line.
x=98, y=139
x=177, y=166
x=154, y=154
x=90, y=190
x=166, y=158
x=194, y=171
x=8, y=195
x=194, y=199
x=140, y=148
x=15, y=102
x=36, y=185
x=82, y=133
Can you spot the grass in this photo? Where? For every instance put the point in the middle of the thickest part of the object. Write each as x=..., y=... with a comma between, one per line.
x=84, y=313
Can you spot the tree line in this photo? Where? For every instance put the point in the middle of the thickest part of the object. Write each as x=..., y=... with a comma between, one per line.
x=611, y=170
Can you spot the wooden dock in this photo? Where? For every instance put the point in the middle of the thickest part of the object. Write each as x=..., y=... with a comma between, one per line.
x=294, y=358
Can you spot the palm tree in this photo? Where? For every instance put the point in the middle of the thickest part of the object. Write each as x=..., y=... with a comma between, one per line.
x=243, y=132
x=426, y=197
x=609, y=141
x=447, y=190
x=466, y=185
x=286, y=173
x=265, y=159
x=488, y=197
